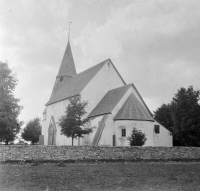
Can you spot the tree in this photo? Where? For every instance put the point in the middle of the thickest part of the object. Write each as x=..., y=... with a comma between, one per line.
x=32, y=131
x=9, y=107
x=71, y=124
x=137, y=138
x=164, y=117
x=185, y=111
x=182, y=117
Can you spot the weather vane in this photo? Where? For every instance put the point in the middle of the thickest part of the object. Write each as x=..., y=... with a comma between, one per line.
x=69, y=30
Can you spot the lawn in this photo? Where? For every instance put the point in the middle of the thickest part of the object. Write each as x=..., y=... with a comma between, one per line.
x=101, y=176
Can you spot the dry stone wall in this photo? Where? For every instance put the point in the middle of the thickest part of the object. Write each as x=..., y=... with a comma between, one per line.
x=41, y=153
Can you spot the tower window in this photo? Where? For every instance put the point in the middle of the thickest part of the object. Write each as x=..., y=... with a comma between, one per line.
x=123, y=132
x=61, y=78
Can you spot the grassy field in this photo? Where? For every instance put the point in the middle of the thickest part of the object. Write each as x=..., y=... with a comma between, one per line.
x=101, y=176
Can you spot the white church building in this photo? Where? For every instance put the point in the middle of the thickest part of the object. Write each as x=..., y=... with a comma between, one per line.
x=115, y=108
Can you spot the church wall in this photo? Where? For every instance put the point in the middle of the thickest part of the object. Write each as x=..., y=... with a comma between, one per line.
x=106, y=79
x=87, y=140
x=56, y=110
x=44, y=131
x=153, y=139
x=108, y=132
x=145, y=126
x=164, y=138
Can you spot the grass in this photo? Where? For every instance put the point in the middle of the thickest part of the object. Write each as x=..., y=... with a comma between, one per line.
x=101, y=176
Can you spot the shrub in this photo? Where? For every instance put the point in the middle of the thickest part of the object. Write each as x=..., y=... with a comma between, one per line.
x=137, y=138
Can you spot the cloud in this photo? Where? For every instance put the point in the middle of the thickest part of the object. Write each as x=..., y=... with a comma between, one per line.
x=154, y=44
x=31, y=40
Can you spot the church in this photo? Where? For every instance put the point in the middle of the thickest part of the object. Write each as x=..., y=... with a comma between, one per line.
x=115, y=108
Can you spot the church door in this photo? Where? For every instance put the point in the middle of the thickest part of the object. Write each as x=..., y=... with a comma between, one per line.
x=52, y=133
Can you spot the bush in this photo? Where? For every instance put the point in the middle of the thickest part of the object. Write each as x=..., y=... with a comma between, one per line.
x=137, y=138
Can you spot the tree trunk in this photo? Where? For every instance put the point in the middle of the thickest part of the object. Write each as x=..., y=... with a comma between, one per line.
x=72, y=141
x=6, y=142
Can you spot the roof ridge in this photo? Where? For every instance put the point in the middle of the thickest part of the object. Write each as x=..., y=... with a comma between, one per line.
x=103, y=62
x=120, y=87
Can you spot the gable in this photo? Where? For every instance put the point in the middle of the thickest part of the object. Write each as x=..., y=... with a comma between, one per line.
x=106, y=79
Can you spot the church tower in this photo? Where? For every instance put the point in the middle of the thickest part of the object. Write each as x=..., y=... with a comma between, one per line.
x=66, y=71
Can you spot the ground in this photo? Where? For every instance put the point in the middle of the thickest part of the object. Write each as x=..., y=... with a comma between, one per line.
x=101, y=176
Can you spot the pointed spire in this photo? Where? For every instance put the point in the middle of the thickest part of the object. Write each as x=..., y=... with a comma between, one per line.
x=67, y=67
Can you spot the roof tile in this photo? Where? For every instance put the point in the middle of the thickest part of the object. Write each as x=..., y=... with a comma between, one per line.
x=133, y=110
x=70, y=87
x=109, y=101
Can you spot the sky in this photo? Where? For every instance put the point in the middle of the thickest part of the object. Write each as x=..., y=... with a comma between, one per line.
x=154, y=44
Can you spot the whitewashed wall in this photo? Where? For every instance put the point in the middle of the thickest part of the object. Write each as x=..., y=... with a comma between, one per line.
x=87, y=140
x=164, y=138
x=145, y=126
x=106, y=79
x=108, y=132
x=57, y=110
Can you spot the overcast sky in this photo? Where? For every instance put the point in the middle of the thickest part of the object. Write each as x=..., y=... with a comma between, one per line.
x=154, y=44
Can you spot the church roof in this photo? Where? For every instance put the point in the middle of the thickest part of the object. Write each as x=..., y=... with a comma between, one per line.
x=133, y=110
x=67, y=67
x=109, y=101
x=73, y=86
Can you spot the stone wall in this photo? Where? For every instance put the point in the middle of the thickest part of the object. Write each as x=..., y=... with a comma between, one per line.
x=91, y=153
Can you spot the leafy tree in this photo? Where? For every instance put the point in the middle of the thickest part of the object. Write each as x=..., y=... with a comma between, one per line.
x=182, y=117
x=137, y=138
x=185, y=110
x=9, y=107
x=32, y=131
x=71, y=124
x=164, y=117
